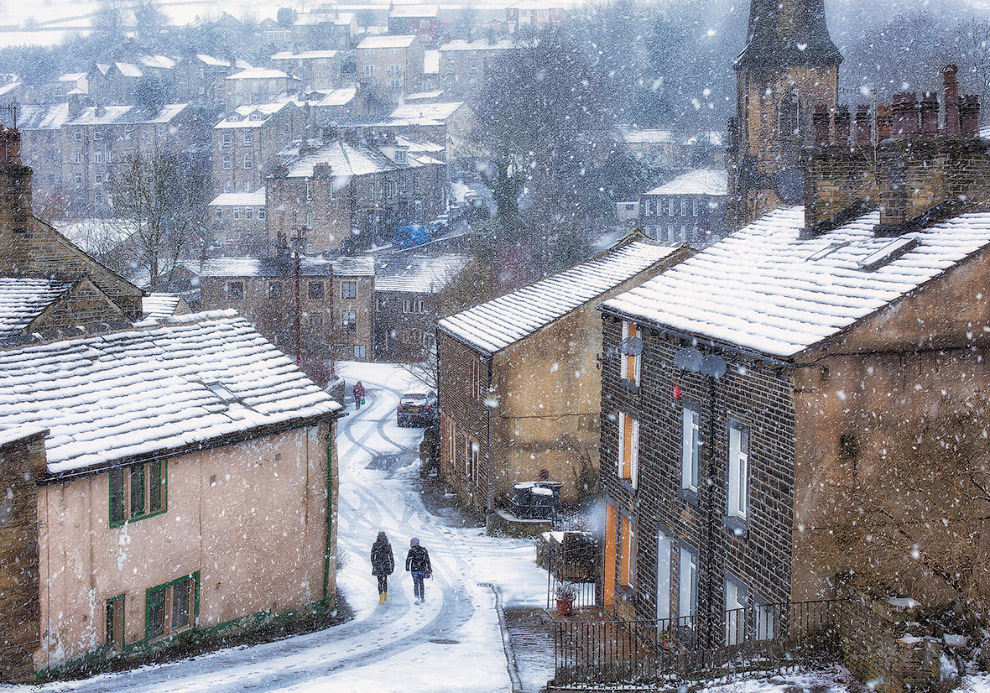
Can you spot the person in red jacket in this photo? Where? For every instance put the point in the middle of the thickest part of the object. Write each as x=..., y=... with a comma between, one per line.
x=358, y=391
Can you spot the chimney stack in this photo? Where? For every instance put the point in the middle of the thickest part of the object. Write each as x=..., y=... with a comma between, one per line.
x=905, y=108
x=929, y=114
x=842, y=125
x=864, y=128
x=820, y=121
x=969, y=116
x=885, y=122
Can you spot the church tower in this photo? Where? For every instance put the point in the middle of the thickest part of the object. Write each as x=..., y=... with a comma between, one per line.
x=789, y=67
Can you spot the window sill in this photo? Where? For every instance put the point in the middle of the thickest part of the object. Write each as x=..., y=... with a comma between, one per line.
x=689, y=496
x=738, y=527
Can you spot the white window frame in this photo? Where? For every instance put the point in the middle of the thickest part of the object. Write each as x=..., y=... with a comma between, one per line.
x=687, y=588
x=632, y=474
x=738, y=486
x=736, y=598
x=690, y=447
x=665, y=556
x=637, y=360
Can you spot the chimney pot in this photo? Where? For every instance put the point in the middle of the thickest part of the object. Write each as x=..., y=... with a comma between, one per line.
x=951, y=99
x=885, y=122
x=842, y=125
x=863, y=129
x=929, y=114
x=905, y=115
x=969, y=116
x=820, y=121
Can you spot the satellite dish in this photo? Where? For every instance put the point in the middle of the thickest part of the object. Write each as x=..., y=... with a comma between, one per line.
x=688, y=360
x=713, y=366
x=631, y=346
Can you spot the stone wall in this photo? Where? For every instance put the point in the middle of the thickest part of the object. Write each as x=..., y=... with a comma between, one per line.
x=19, y=584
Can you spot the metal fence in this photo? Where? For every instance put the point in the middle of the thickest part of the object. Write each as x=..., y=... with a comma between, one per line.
x=664, y=651
x=572, y=561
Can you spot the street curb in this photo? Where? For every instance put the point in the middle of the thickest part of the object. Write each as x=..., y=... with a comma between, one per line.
x=510, y=656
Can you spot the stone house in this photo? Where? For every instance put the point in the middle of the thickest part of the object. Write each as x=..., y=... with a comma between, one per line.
x=394, y=64
x=102, y=139
x=314, y=70
x=328, y=314
x=422, y=21
x=238, y=222
x=253, y=86
x=246, y=142
x=463, y=65
x=519, y=386
x=774, y=372
x=409, y=299
x=41, y=141
x=449, y=124
x=324, y=27
x=137, y=540
x=689, y=209
x=534, y=15
x=199, y=80
x=348, y=191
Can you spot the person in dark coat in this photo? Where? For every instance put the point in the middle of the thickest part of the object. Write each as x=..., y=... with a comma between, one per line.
x=382, y=564
x=418, y=563
x=358, y=391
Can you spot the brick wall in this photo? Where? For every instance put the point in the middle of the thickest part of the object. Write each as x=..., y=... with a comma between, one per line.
x=752, y=393
x=19, y=583
x=85, y=305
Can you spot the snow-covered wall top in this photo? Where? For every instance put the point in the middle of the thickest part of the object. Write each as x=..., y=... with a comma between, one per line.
x=152, y=390
x=765, y=289
x=494, y=325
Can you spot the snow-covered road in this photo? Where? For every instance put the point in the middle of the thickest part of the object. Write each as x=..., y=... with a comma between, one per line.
x=451, y=643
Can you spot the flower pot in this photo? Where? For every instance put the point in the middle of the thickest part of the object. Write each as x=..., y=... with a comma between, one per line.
x=564, y=606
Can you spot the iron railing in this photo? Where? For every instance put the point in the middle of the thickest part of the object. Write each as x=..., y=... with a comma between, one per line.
x=759, y=637
x=572, y=561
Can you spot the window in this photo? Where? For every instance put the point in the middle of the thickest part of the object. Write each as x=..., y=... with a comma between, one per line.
x=226, y=139
x=237, y=212
x=115, y=624
x=309, y=220
x=421, y=306
x=407, y=305
x=128, y=132
x=360, y=351
x=631, y=349
x=475, y=392
x=687, y=603
x=275, y=290
x=694, y=210
x=226, y=162
x=671, y=207
x=348, y=289
x=690, y=442
x=628, y=449
x=611, y=529
x=315, y=290
x=248, y=213
x=172, y=607
x=738, y=470
x=98, y=157
x=248, y=139
x=309, y=190
x=471, y=452
x=766, y=620
x=138, y=491
x=448, y=447
x=78, y=178
x=348, y=319
x=261, y=214
x=664, y=547
x=77, y=135
x=218, y=215
x=248, y=160
x=369, y=70
x=78, y=157
x=736, y=596
x=684, y=205
x=316, y=321
x=235, y=291
x=627, y=556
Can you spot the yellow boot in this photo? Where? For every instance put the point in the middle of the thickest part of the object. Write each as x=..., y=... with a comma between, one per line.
x=386, y=596
x=381, y=598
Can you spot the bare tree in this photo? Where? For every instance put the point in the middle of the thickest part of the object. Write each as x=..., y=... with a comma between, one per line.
x=160, y=196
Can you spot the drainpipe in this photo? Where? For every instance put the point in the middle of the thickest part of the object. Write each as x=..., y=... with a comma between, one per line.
x=710, y=481
x=490, y=499
x=327, y=557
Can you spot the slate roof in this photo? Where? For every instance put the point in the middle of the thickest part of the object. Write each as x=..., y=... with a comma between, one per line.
x=501, y=322
x=386, y=42
x=42, y=117
x=146, y=391
x=252, y=199
x=418, y=273
x=481, y=45
x=418, y=11
x=358, y=266
x=702, y=181
x=159, y=305
x=426, y=111
x=23, y=299
x=253, y=116
x=764, y=289
x=258, y=73
x=347, y=161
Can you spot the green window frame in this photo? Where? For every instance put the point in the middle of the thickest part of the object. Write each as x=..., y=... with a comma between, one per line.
x=138, y=492
x=172, y=607
x=116, y=625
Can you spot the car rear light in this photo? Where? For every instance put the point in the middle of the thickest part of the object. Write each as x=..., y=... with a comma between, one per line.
x=426, y=406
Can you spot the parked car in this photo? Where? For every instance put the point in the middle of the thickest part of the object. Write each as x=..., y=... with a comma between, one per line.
x=408, y=236
x=417, y=408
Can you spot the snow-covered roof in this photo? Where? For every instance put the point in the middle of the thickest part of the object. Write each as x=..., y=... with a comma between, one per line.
x=503, y=321
x=414, y=11
x=253, y=116
x=387, y=41
x=252, y=199
x=344, y=160
x=167, y=112
x=210, y=60
x=360, y=266
x=111, y=115
x=431, y=62
x=764, y=289
x=702, y=181
x=338, y=97
x=71, y=77
x=418, y=273
x=648, y=136
x=147, y=390
x=426, y=111
x=304, y=55
x=481, y=45
x=159, y=305
x=258, y=73
x=39, y=117
x=424, y=95
x=23, y=299
x=129, y=69
x=160, y=62
x=16, y=433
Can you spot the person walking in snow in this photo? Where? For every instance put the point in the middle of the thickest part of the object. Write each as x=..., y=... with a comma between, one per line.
x=382, y=564
x=358, y=391
x=418, y=563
